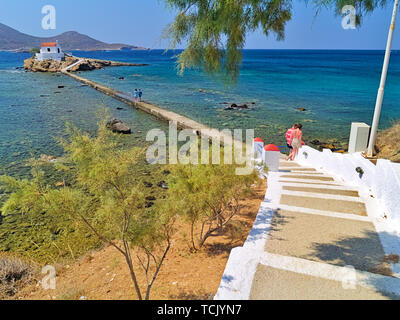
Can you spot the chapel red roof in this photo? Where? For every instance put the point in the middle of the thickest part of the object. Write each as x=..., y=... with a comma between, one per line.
x=49, y=44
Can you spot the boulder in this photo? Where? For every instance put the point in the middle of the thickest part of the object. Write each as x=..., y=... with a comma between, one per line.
x=316, y=142
x=147, y=184
x=118, y=126
x=47, y=158
x=235, y=106
x=328, y=145
x=149, y=204
x=162, y=184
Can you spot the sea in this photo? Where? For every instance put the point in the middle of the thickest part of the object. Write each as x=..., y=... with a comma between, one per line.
x=335, y=87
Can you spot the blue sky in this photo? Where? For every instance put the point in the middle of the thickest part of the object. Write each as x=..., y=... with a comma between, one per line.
x=141, y=22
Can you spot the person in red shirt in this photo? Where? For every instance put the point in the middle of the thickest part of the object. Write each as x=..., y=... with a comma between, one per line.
x=288, y=139
x=296, y=141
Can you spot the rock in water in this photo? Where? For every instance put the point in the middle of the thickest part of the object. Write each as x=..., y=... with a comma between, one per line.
x=235, y=106
x=162, y=184
x=46, y=158
x=118, y=126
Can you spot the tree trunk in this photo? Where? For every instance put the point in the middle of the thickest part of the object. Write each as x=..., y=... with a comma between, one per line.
x=128, y=259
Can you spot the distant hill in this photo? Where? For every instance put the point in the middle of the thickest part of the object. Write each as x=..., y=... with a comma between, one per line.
x=13, y=40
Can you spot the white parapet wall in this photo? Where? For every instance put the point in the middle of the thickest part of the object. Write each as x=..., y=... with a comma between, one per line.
x=381, y=180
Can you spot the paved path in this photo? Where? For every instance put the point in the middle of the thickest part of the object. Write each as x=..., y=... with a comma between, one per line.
x=72, y=65
x=321, y=244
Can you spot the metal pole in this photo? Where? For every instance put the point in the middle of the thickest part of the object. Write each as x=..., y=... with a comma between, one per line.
x=379, y=99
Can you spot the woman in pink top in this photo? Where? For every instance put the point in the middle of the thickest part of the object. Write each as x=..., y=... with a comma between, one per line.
x=288, y=139
x=296, y=139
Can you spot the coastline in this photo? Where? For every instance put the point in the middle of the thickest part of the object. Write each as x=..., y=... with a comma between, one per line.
x=73, y=64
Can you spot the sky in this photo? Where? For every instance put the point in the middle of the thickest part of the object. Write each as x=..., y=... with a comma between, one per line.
x=142, y=22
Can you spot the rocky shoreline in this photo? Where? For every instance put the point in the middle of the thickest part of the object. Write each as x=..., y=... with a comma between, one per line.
x=333, y=145
x=34, y=65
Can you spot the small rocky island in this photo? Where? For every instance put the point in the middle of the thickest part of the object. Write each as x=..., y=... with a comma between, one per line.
x=82, y=64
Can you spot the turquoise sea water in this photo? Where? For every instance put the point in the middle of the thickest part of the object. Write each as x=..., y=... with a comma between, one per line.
x=336, y=88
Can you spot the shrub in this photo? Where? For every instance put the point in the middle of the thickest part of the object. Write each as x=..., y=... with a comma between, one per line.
x=15, y=273
x=207, y=197
x=388, y=143
x=107, y=199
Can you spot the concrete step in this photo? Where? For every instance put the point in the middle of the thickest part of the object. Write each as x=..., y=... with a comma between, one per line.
x=306, y=173
x=288, y=164
x=344, y=206
x=297, y=169
x=275, y=284
x=309, y=182
x=296, y=176
x=327, y=213
x=321, y=190
x=326, y=239
x=316, y=194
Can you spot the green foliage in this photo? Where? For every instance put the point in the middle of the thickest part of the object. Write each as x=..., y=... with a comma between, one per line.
x=207, y=196
x=33, y=51
x=103, y=199
x=29, y=229
x=215, y=30
x=106, y=199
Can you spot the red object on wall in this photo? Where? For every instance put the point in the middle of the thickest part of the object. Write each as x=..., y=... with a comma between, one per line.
x=271, y=147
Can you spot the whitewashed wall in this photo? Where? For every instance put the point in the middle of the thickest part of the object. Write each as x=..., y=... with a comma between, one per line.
x=50, y=55
x=382, y=180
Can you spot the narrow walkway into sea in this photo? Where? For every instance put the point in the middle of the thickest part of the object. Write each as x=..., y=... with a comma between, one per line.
x=159, y=112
